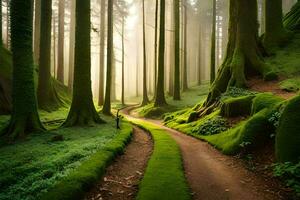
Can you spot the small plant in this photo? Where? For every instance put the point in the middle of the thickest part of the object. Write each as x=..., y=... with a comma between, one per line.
x=274, y=119
x=237, y=92
x=212, y=126
x=245, y=144
x=290, y=173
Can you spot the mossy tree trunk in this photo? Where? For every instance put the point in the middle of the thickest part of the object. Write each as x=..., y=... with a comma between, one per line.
x=145, y=100
x=25, y=117
x=82, y=111
x=160, y=99
x=109, y=66
x=275, y=34
x=102, y=53
x=176, y=11
x=213, y=43
x=243, y=54
x=291, y=19
x=47, y=97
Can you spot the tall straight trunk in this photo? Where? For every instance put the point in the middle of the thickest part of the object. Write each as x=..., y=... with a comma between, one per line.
x=160, y=99
x=72, y=44
x=1, y=40
x=107, y=100
x=184, y=67
x=145, y=100
x=113, y=78
x=7, y=23
x=137, y=68
x=102, y=52
x=263, y=16
x=37, y=29
x=61, y=43
x=243, y=54
x=155, y=44
x=54, y=46
x=47, y=97
x=275, y=34
x=123, y=63
x=25, y=117
x=82, y=111
x=213, y=44
x=176, y=10
x=199, y=55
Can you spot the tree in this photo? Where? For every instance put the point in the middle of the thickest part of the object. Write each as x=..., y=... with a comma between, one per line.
x=155, y=43
x=145, y=95
x=107, y=101
x=176, y=11
x=123, y=63
x=47, y=97
x=1, y=41
x=275, y=34
x=291, y=19
x=243, y=54
x=37, y=29
x=160, y=99
x=184, y=67
x=82, y=111
x=213, y=43
x=61, y=43
x=102, y=53
x=72, y=44
x=25, y=117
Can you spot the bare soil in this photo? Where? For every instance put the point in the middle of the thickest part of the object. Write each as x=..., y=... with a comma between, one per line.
x=123, y=176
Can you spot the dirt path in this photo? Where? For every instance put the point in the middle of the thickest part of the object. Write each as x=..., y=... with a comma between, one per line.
x=123, y=176
x=214, y=176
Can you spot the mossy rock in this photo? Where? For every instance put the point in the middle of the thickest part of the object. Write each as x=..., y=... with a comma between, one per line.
x=290, y=85
x=288, y=134
x=264, y=100
x=239, y=106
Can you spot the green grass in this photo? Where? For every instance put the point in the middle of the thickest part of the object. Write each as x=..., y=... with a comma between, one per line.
x=29, y=168
x=188, y=99
x=164, y=177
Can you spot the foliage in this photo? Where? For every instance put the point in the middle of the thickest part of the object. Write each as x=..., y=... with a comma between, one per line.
x=41, y=162
x=212, y=126
x=237, y=92
x=290, y=173
x=164, y=177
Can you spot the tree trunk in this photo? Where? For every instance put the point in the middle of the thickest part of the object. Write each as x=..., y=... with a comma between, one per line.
x=243, y=57
x=155, y=44
x=47, y=97
x=54, y=46
x=123, y=64
x=107, y=101
x=37, y=29
x=1, y=40
x=160, y=99
x=184, y=67
x=82, y=111
x=177, y=50
x=7, y=23
x=275, y=34
x=102, y=53
x=25, y=117
x=61, y=43
x=213, y=44
x=145, y=100
x=72, y=44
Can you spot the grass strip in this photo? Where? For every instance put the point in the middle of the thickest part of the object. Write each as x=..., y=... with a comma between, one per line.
x=164, y=177
x=79, y=181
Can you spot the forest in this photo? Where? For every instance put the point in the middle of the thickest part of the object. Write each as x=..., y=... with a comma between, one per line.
x=150, y=99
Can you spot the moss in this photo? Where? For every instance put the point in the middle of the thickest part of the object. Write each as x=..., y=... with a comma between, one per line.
x=248, y=134
x=290, y=85
x=264, y=100
x=164, y=177
x=238, y=106
x=288, y=135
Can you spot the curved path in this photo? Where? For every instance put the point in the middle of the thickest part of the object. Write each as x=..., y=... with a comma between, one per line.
x=214, y=176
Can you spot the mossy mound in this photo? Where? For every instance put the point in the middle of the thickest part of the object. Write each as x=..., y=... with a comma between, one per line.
x=238, y=106
x=264, y=100
x=249, y=134
x=288, y=134
x=150, y=111
x=290, y=85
